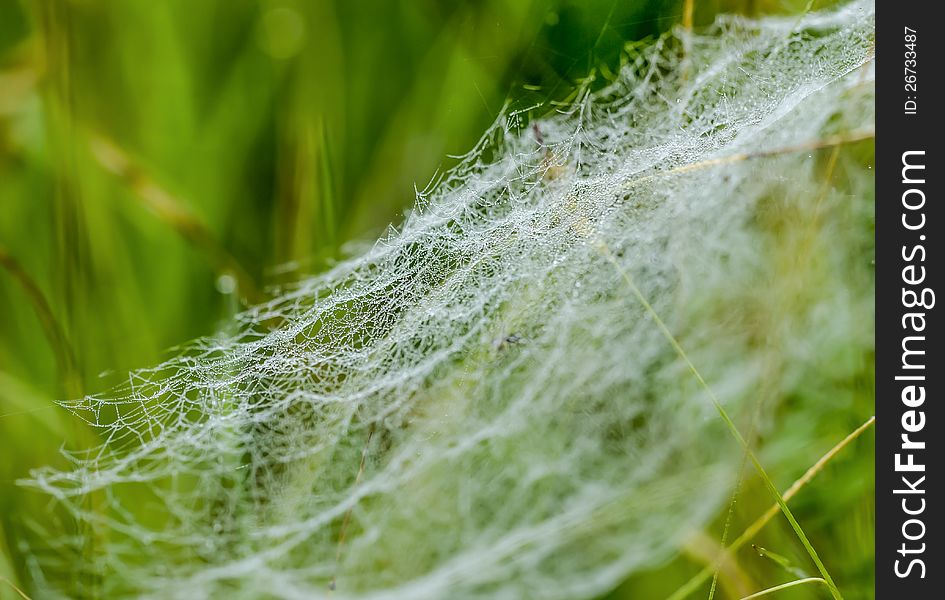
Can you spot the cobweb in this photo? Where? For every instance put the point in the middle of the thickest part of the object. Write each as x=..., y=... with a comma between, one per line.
x=478, y=406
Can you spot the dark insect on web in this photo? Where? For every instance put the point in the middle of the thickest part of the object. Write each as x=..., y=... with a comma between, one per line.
x=502, y=342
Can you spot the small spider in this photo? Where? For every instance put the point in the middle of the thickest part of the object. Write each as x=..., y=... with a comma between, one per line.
x=538, y=136
x=551, y=170
x=502, y=342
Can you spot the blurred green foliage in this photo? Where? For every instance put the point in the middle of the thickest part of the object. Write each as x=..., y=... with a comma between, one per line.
x=271, y=132
x=163, y=163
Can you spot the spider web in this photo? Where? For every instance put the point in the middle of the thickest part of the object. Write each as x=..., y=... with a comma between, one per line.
x=477, y=406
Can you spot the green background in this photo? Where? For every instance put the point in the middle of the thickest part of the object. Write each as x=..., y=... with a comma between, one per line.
x=163, y=163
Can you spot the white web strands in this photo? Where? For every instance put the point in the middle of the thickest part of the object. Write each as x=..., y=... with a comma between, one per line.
x=525, y=428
